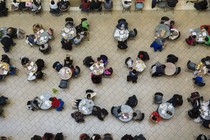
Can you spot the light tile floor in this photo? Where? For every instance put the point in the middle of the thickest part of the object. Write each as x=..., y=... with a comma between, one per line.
x=22, y=124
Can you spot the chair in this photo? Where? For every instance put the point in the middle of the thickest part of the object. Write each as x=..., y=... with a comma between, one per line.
x=108, y=136
x=198, y=80
x=40, y=64
x=96, y=79
x=108, y=5
x=139, y=4
x=108, y=72
x=57, y=66
x=3, y=100
x=126, y=5
x=156, y=46
x=158, y=98
x=171, y=4
x=191, y=65
x=201, y=137
x=138, y=115
x=115, y=110
x=178, y=70
x=133, y=33
x=104, y=59
x=5, y=58
x=90, y=94
x=88, y=61
x=172, y=58
x=129, y=62
x=63, y=84
x=161, y=4
x=12, y=70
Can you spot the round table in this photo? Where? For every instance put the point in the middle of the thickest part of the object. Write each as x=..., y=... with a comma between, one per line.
x=204, y=109
x=42, y=37
x=31, y=67
x=86, y=106
x=97, y=68
x=140, y=65
x=68, y=33
x=170, y=68
x=121, y=35
x=166, y=110
x=126, y=113
x=65, y=73
x=4, y=68
x=162, y=31
x=46, y=103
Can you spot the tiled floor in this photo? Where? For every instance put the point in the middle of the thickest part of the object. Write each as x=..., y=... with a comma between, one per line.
x=22, y=124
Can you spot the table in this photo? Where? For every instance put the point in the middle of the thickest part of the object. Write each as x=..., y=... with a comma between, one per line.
x=121, y=35
x=205, y=112
x=200, y=34
x=65, y=73
x=162, y=31
x=140, y=65
x=126, y=113
x=46, y=103
x=165, y=109
x=31, y=68
x=97, y=68
x=42, y=37
x=86, y=106
x=170, y=68
x=4, y=68
x=68, y=33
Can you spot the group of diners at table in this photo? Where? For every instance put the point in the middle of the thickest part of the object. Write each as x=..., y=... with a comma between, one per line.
x=136, y=68
x=122, y=34
x=200, y=69
x=33, y=6
x=6, y=68
x=66, y=71
x=33, y=68
x=86, y=106
x=7, y=34
x=165, y=30
x=200, y=111
x=40, y=37
x=45, y=101
x=56, y=8
x=98, y=68
x=95, y=5
x=72, y=34
x=199, y=36
x=169, y=68
x=165, y=110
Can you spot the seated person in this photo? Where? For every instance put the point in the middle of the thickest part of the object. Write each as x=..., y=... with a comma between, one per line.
x=12, y=32
x=7, y=42
x=158, y=69
x=138, y=115
x=45, y=48
x=122, y=24
x=24, y=61
x=63, y=5
x=3, y=8
x=155, y=117
x=191, y=40
x=207, y=41
x=96, y=5
x=31, y=39
x=77, y=40
x=132, y=76
x=48, y=136
x=85, y=24
x=37, y=27
x=57, y=103
x=54, y=8
x=206, y=27
x=68, y=61
x=35, y=6
x=85, y=5
x=15, y=4
x=158, y=44
x=198, y=80
x=67, y=45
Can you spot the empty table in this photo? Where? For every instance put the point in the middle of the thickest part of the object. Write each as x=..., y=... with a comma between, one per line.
x=65, y=73
x=166, y=110
x=46, y=103
x=86, y=106
x=170, y=68
x=126, y=113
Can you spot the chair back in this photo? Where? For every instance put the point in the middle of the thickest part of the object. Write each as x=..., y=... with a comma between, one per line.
x=191, y=65
x=158, y=97
x=178, y=70
x=63, y=84
x=108, y=4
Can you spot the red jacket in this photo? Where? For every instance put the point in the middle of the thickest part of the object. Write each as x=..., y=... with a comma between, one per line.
x=156, y=114
x=85, y=5
x=55, y=102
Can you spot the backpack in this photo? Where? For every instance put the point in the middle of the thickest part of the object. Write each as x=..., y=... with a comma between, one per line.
x=132, y=101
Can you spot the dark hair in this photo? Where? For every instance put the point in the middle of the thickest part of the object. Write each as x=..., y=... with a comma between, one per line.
x=154, y=118
x=206, y=27
x=51, y=98
x=134, y=114
x=194, y=36
x=206, y=39
x=52, y=2
x=99, y=59
x=134, y=71
x=88, y=96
